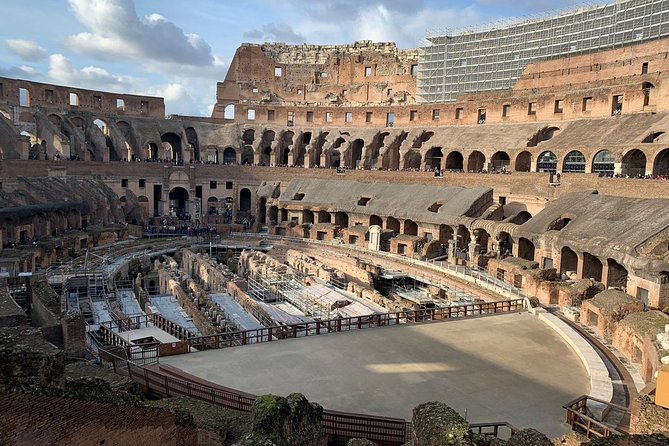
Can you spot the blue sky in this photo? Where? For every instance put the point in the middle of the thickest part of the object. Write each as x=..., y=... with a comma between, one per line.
x=179, y=49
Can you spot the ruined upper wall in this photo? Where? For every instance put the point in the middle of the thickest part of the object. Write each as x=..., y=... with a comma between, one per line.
x=319, y=54
x=23, y=93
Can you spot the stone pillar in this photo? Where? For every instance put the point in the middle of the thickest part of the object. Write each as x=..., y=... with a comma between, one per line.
x=605, y=272
x=452, y=246
x=374, y=237
x=617, y=168
x=74, y=334
x=579, y=267
x=472, y=247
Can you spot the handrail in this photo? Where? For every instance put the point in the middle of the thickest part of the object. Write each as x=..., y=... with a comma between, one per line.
x=578, y=418
x=492, y=429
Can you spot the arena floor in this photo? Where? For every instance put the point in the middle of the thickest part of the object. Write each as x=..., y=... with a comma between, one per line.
x=502, y=368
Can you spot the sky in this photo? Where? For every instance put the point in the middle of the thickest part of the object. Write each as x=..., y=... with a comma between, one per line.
x=179, y=49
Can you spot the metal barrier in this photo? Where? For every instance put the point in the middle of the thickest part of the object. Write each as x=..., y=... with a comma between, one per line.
x=237, y=338
x=500, y=429
x=339, y=426
x=580, y=419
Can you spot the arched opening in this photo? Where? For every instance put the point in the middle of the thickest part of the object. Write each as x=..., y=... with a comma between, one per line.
x=525, y=249
x=524, y=161
x=229, y=111
x=568, y=260
x=410, y=227
x=249, y=136
x=463, y=237
x=445, y=233
x=542, y=135
x=505, y=243
x=661, y=163
x=266, y=156
x=284, y=156
x=574, y=162
x=652, y=137
x=559, y=224
x=500, y=161
x=647, y=88
x=102, y=125
x=634, y=163
x=592, y=267
x=273, y=215
x=393, y=224
x=283, y=215
x=262, y=211
x=244, y=200
x=212, y=206
x=307, y=216
x=482, y=239
x=247, y=155
x=617, y=276
x=356, y=153
x=324, y=217
x=375, y=220
x=335, y=158
x=191, y=137
x=179, y=203
x=152, y=151
x=603, y=163
x=412, y=160
x=521, y=217
x=173, y=147
x=433, y=159
x=341, y=219
x=229, y=156
x=547, y=162
x=476, y=162
x=455, y=161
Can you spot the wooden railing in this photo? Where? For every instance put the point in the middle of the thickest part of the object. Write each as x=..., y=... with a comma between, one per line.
x=339, y=426
x=314, y=328
x=143, y=321
x=580, y=419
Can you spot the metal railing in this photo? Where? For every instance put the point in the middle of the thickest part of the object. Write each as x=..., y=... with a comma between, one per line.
x=315, y=328
x=500, y=429
x=580, y=418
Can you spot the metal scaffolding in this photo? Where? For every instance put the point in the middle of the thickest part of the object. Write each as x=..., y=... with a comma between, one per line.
x=467, y=61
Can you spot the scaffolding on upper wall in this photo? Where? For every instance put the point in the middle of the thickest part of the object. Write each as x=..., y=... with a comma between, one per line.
x=493, y=59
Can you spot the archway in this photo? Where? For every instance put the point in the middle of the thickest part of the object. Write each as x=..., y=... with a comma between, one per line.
x=524, y=161
x=455, y=161
x=525, y=249
x=229, y=156
x=174, y=150
x=356, y=153
x=273, y=215
x=568, y=260
x=412, y=160
x=592, y=267
x=375, y=220
x=335, y=158
x=410, y=227
x=661, y=163
x=547, y=162
x=152, y=151
x=634, y=163
x=249, y=136
x=500, y=161
x=433, y=158
x=284, y=156
x=191, y=137
x=179, y=203
x=603, y=163
x=445, y=233
x=266, y=156
x=324, y=217
x=212, y=206
x=393, y=224
x=341, y=219
x=262, y=211
x=244, y=200
x=574, y=162
x=476, y=162
x=229, y=111
x=617, y=276
x=307, y=216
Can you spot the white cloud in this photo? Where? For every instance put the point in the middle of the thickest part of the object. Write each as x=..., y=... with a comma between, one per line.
x=22, y=72
x=26, y=49
x=275, y=32
x=115, y=31
x=62, y=71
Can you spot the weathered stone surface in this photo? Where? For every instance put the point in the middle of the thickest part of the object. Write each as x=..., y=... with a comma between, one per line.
x=360, y=442
x=648, y=418
x=437, y=424
x=529, y=437
x=631, y=440
x=570, y=439
x=26, y=359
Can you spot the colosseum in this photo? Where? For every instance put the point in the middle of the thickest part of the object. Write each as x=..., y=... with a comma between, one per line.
x=463, y=243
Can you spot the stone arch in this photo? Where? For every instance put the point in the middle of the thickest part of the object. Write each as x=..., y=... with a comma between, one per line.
x=574, y=161
x=647, y=88
x=101, y=124
x=324, y=217
x=433, y=158
x=617, y=275
x=410, y=227
x=356, y=153
x=500, y=161
x=262, y=211
x=179, y=200
x=172, y=146
x=229, y=111
x=341, y=219
x=476, y=161
x=229, y=156
x=445, y=233
x=393, y=224
x=244, y=200
x=523, y=162
x=247, y=155
x=249, y=136
x=603, y=163
x=454, y=161
x=152, y=151
x=307, y=216
x=525, y=249
x=191, y=137
x=521, y=217
x=78, y=121
x=568, y=260
x=592, y=267
x=375, y=220
x=547, y=162
x=542, y=135
x=273, y=215
x=661, y=163
x=634, y=163
x=412, y=160
x=285, y=153
x=212, y=205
